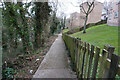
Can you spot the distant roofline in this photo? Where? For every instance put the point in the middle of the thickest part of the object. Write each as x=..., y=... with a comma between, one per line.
x=74, y=13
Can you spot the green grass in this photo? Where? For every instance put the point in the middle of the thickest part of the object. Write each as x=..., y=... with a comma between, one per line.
x=65, y=30
x=100, y=35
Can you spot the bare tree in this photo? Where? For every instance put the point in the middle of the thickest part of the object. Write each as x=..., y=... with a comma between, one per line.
x=90, y=7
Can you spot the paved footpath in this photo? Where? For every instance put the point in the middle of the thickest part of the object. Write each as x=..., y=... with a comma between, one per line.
x=55, y=64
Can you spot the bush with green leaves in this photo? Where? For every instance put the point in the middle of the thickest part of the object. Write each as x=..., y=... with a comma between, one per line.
x=8, y=73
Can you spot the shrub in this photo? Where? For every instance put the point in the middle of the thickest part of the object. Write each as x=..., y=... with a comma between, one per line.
x=8, y=73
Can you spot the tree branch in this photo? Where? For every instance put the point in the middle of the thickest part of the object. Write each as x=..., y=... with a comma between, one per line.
x=83, y=10
x=88, y=4
x=92, y=6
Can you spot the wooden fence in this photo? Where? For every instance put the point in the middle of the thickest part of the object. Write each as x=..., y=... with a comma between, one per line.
x=90, y=61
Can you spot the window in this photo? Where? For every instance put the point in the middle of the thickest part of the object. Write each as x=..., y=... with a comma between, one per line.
x=116, y=15
x=110, y=16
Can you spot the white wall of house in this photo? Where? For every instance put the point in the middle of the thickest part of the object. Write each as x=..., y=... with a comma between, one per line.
x=114, y=11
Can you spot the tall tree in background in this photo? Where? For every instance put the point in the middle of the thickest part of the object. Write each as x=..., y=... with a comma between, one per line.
x=90, y=7
x=54, y=23
x=54, y=18
x=42, y=13
x=10, y=23
x=22, y=29
x=22, y=26
x=25, y=35
x=15, y=30
x=64, y=22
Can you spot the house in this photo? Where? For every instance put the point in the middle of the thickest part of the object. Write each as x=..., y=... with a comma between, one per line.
x=105, y=11
x=78, y=19
x=74, y=20
x=113, y=13
x=67, y=23
x=95, y=15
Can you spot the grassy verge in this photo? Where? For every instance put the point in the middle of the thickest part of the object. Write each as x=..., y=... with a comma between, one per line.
x=100, y=35
x=65, y=30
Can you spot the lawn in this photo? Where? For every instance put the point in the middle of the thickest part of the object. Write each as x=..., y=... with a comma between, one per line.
x=65, y=30
x=100, y=35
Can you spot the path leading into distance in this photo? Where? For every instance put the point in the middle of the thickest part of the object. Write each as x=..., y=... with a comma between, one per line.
x=55, y=64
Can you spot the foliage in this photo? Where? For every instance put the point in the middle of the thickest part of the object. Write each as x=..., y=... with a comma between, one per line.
x=22, y=27
x=13, y=30
x=63, y=22
x=100, y=35
x=54, y=25
x=42, y=14
x=25, y=29
x=8, y=73
x=57, y=24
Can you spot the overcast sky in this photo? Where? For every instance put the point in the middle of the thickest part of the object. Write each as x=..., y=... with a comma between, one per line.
x=68, y=7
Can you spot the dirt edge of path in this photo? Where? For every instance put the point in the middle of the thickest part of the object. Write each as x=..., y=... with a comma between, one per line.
x=31, y=63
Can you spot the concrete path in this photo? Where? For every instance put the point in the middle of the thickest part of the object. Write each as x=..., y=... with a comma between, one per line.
x=55, y=64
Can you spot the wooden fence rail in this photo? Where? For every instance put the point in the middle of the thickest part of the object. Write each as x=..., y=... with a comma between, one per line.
x=90, y=61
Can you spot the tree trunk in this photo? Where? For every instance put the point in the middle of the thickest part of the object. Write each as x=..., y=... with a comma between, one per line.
x=24, y=44
x=15, y=42
x=84, y=31
x=37, y=29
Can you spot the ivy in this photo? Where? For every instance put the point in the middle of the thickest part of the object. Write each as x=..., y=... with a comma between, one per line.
x=8, y=73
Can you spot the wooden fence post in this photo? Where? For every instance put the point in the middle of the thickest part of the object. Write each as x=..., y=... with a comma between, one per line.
x=86, y=63
x=76, y=50
x=113, y=66
x=90, y=61
x=74, y=53
x=96, y=62
x=77, y=56
x=83, y=60
x=110, y=50
x=80, y=60
x=72, y=47
x=102, y=64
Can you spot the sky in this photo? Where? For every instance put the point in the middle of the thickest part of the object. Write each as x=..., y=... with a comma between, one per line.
x=70, y=6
